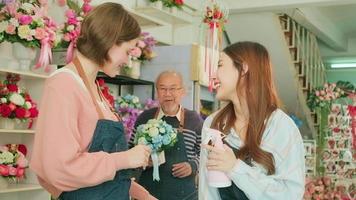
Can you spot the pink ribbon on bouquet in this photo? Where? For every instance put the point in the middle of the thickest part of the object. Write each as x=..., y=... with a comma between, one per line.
x=70, y=50
x=45, y=55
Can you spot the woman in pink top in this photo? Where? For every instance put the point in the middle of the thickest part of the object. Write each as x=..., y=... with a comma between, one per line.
x=80, y=151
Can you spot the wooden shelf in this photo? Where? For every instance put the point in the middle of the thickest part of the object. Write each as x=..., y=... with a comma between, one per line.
x=22, y=187
x=28, y=74
x=17, y=131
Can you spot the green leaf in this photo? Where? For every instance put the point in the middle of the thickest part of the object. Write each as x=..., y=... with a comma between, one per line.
x=74, y=6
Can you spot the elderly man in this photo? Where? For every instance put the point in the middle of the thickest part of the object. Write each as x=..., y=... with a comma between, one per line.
x=177, y=174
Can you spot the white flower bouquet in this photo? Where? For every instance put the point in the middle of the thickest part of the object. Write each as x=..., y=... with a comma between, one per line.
x=159, y=136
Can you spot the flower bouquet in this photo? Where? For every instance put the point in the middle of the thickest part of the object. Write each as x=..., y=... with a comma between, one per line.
x=128, y=101
x=70, y=30
x=26, y=22
x=16, y=103
x=158, y=135
x=13, y=161
x=214, y=17
x=142, y=52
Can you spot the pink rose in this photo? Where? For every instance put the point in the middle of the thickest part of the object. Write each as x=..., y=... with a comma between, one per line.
x=4, y=170
x=10, y=29
x=317, y=93
x=72, y=21
x=12, y=106
x=11, y=8
x=12, y=171
x=40, y=33
x=70, y=14
x=86, y=8
x=136, y=52
x=20, y=172
x=141, y=44
x=61, y=3
x=25, y=19
x=66, y=37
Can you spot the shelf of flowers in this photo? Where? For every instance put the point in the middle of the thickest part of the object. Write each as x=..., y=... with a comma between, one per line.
x=173, y=14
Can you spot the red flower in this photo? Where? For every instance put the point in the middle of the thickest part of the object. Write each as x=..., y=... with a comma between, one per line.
x=34, y=112
x=12, y=87
x=20, y=172
x=217, y=15
x=22, y=148
x=5, y=110
x=101, y=82
x=4, y=170
x=179, y=2
x=20, y=112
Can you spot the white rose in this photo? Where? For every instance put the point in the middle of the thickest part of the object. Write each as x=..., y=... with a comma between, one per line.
x=70, y=27
x=142, y=140
x=28, y=105
x=152, y=132
x=3, y=26
x=17, y=99
x=162, y=130
x=6, y=157
x=27, y=7
x=14, y=22
x=3, y=100
x=80, y=19
x=135, y=100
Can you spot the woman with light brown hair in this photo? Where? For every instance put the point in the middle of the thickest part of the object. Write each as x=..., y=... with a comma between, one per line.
x=80, y=150
x=263, y=153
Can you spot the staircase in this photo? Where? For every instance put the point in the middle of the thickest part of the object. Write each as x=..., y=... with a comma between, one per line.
x=306, y=57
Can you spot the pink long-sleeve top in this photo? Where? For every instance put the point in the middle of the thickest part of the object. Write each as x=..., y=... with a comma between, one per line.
x=64, y=129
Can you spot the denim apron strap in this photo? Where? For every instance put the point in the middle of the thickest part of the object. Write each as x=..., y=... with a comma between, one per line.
x=108, y=137
x=170, y=187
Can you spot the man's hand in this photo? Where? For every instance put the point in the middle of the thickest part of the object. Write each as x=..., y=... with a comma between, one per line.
x=181, y=170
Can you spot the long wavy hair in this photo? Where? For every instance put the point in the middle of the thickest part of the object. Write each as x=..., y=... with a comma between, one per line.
x=262, y=100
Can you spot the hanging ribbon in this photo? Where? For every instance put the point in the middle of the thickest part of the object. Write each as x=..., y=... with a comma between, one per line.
x=352, y=112
x=155, y=163
x=45, y=54
x=70, y=50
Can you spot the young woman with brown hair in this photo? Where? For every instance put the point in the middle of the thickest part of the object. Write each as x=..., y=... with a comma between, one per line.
x=80, y=150
x=263, y=153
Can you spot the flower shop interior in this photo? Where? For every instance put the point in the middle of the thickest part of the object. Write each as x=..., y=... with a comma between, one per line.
x=312, y=45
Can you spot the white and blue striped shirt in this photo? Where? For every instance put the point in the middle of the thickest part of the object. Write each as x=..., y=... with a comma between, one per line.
x=281, y=138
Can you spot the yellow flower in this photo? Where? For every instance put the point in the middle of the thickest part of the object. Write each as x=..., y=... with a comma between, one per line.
x=24, y=31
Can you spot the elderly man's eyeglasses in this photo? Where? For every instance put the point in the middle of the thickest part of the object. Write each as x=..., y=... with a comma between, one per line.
x=171, y=90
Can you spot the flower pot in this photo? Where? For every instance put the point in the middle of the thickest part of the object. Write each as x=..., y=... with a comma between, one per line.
x=135, y=69
x=7, y=123
x=3, y=182
x=24, y=55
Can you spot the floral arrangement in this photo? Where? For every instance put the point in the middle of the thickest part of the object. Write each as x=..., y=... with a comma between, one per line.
x=70, y=30
x=128, y=101
x=150, y=103
x=16, y=103
x=130, y=108
x=108, y=94
x=214, y=17
x=26, y=22
x=324, y=96
x=144, y=48
x=158, y=135
x=13, y=161
x=325, y=188
x=171, y=3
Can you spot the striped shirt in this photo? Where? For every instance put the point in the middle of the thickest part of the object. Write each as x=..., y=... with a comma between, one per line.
x=281, y=137
x=191, y=133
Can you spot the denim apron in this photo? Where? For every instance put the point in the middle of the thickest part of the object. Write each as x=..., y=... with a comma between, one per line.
x=170, y=187
x=233, y=192
x=108, y=137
